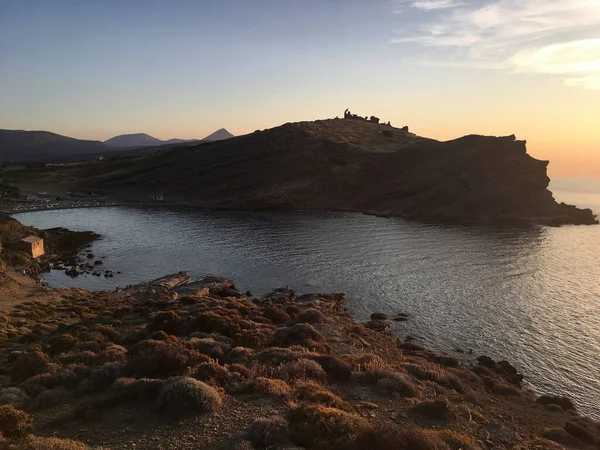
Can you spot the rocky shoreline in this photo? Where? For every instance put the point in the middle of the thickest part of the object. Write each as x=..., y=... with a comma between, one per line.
x=186, y=364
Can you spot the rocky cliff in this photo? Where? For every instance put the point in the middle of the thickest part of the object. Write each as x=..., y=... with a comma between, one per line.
x=348, y=165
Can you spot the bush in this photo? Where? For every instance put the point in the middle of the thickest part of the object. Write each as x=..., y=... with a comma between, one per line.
x=44, y=443
x=302, y=369
x=276, y=315
x=432, y=409
x=238, y=355
x=50, y=398
x=151, y=358
x=564, y=402
x=28, y=365
x=14, y=396
x=580, y=432
x=212, y=372
x=111, y=354
x=14, y=422
x=268, y=433
x=267, y=386
x=61, y=344
x=336, y=368
x=392, y=437
x=457, y=441
x=311, y=315
x=315, y=393
x=321, y=428
x=399, y=384
x=182, y=395
x=167, y=321
x=132, y=389
x=301, y=334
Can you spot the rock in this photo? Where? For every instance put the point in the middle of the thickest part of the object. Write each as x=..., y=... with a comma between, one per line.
x=378, y=325
x=486, y=361
x=73, y=272
x=500, y=433
x=379, y=316
x=90, y=256
x=410, y=346
x=97, y=263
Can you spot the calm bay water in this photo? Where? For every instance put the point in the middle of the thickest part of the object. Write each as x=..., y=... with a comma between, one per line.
x=530, y=295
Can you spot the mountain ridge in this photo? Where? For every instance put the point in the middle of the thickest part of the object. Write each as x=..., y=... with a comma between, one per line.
x=348, y=165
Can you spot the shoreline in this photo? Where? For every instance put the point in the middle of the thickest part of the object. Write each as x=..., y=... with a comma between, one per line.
x=279, y=355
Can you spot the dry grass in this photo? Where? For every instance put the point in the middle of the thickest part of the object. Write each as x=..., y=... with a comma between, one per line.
x=319, y=427
x=14, y=422
x=183, y=395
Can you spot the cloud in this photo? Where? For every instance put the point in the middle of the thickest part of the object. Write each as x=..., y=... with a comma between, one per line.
x=558, y=37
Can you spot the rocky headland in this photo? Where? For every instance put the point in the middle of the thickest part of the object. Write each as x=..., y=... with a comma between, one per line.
x=196, y=364
x=338, y=164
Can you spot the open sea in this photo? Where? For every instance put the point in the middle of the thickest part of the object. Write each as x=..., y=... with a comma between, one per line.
x=527, y=294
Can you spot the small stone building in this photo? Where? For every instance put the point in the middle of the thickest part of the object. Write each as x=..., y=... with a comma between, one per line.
x=32, y=245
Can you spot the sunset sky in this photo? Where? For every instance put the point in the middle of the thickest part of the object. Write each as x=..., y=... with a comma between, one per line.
x=182, y=68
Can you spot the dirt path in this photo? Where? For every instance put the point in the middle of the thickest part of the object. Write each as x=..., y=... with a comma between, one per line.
x=16, y=288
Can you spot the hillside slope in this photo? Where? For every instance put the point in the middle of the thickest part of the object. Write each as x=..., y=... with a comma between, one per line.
x=43, y=146
x=347, y=165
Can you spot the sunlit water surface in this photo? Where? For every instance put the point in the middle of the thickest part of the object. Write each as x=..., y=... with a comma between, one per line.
x=530, y=295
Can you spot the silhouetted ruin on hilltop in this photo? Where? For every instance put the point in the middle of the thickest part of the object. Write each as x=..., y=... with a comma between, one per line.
x=373, y=119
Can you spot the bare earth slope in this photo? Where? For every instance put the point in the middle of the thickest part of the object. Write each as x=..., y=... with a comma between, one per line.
x=347, y=165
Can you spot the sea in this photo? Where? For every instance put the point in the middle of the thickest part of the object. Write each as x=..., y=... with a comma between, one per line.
x=526, y=294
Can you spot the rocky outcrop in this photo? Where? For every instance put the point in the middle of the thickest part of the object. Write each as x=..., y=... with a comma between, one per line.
x=349, y=165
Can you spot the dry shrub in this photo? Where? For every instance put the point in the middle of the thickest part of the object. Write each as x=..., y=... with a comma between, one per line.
x=399, y=384
x=45, y=443
x=238, y=355
x=263, y=385
x=390, y=436
x=180, y=395
x=315, y=393
x=85, y=357
x=365, y=361
x=61, y=344
x=151, y=358
x=89, y=346
x=210, y=347
x=301, y=334
x=311, y=315
x=14, y=422
x=268, y=433
x=301, y=369
x=212, y=373
x=50, y=398
x=28, y=365
x=457, y=441
x=276, y=315
x=103, y=376
x=580, y=432
x=444, y=360
x=275, y=356
x=564, y=402
x=542, y=444
x=14, y=396
x=92, y=336
x=321, y=428
x=132, y=389
x=432, y=409
x=112, y=354
x=559, y=435
x=254, y=338
x=336, y=368
x=166, y=321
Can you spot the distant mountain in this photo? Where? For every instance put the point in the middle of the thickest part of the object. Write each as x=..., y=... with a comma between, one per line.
x=133, y=140
x=219, y=135
x=145, y=140
x=43, y=146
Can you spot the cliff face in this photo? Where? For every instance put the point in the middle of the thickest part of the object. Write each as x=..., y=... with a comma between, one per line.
x=348, y=165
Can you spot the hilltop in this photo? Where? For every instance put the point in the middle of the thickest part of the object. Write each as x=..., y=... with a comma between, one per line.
x=342, y=164
x=43, y=146
x=145, y=140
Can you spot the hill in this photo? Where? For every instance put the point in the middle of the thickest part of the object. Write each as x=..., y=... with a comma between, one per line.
x=348, y=165
x=133, y=140
x=219, y=135
x=43, y=146
x=145, y=140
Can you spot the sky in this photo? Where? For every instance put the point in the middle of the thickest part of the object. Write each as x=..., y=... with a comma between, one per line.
x=183, y=68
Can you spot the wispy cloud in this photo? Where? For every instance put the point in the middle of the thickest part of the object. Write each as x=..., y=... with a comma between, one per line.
x=559, y=37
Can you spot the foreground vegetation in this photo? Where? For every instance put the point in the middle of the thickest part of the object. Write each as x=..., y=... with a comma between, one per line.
x=171, y=364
